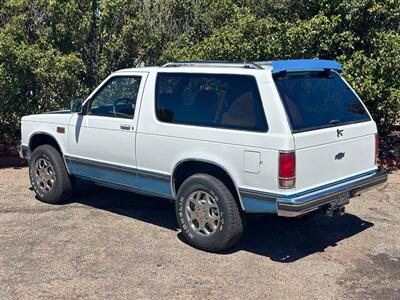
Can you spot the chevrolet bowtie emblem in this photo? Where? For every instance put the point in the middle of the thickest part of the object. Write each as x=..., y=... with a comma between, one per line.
x=339, y=132
x=340, y=155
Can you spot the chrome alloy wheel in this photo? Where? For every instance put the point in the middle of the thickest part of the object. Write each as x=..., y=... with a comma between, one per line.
x=202, y=213
x=45, y=175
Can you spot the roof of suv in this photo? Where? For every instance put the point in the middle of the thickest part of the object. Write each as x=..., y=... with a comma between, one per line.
x=275, y=66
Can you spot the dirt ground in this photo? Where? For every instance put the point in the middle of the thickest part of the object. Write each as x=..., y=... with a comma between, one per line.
x=115, y=245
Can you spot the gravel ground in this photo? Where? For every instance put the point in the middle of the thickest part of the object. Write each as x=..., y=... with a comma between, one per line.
x=114, y=245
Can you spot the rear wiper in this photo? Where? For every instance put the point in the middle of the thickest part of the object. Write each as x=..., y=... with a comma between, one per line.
x=334, y=122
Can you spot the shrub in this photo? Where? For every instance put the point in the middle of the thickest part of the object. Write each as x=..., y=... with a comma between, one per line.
x=54, y=51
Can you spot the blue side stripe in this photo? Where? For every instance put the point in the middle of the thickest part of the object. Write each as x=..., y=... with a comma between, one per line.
x=147, y=182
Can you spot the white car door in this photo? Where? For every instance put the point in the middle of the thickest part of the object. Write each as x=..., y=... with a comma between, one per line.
x=102, y=140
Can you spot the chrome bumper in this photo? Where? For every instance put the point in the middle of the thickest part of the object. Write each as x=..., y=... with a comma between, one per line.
x=336, y=195
x=23, y=151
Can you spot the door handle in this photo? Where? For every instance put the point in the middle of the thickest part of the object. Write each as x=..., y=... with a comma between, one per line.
x=125, y=127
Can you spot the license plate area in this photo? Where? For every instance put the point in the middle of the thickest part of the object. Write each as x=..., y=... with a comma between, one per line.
x=342, y=199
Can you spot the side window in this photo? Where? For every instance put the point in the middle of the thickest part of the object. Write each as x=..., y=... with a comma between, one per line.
x=117, y=98
x=214, y=100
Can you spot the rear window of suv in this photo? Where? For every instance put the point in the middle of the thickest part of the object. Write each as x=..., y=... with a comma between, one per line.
x=213, y=100
x=315, y=100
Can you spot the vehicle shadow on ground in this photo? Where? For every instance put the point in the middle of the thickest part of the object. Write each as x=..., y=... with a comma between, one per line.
x=280, y=239
x=12, y=161
x=148, y=209
x=287, y=239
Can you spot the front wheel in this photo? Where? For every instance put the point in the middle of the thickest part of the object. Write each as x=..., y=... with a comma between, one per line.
x=207, y=213
x=48, y=175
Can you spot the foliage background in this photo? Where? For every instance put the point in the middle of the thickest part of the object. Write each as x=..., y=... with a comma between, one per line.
x=52, y=51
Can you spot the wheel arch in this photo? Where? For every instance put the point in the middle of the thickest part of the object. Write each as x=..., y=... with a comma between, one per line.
x=190, y=166
x=43, y=138
x=40, y=138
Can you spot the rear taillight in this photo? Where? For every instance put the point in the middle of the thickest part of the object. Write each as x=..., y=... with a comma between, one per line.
x=287, y=170
x=376, y=148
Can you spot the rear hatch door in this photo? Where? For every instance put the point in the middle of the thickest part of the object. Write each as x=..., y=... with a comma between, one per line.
x=333, y=132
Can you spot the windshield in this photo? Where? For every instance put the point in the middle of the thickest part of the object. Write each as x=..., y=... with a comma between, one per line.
x=320, y=99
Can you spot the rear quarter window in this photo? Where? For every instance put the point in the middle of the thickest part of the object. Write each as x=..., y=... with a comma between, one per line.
x=212, y=100
x=316, y=100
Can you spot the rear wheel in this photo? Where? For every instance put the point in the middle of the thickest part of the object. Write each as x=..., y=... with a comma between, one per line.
x=49, y=176
x=207, y=213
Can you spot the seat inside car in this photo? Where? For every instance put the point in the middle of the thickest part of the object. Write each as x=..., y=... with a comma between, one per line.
x=241, y=112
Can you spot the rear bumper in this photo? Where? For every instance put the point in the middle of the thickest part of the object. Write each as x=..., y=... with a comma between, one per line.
x=297, y=206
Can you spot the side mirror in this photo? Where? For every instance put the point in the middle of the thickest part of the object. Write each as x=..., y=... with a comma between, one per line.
x=76, y=106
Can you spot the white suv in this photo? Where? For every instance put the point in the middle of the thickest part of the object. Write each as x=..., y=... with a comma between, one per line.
x=220, y=139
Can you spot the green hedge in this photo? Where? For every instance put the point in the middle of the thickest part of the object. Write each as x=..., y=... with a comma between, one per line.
x=54, y=51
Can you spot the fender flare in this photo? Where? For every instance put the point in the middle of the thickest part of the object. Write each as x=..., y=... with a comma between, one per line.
x=172, y=182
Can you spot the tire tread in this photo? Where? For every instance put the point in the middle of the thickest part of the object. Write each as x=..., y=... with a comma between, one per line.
x=64, y=184
x=234, y=228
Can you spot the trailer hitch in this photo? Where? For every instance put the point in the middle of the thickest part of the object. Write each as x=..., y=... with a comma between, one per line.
x=335, y=211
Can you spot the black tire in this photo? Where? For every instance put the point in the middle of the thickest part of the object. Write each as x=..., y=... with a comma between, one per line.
x=62, y=187
x=231, y=223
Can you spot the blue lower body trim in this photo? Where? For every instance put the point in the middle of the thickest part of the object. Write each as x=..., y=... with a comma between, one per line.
x=253, y=205
x=152, y=185
x=158, y=185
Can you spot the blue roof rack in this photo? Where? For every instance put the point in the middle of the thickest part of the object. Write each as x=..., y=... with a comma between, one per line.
x=305, y=65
